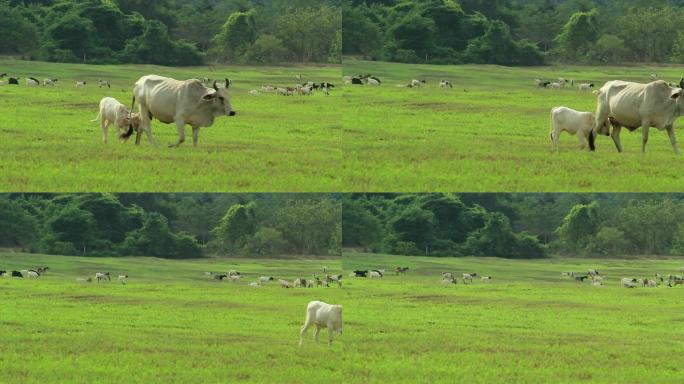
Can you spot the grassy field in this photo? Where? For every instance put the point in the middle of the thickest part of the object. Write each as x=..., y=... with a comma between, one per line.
x=273, y=144
x=490, y=133
x=169, y=324
x=528, y=325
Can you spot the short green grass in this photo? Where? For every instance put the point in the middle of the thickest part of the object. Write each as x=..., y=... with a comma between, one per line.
x=274, y=143
x=528, y=325
x=169, y=324
x=490, y=133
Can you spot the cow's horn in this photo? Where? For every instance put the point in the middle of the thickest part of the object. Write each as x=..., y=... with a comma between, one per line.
x=681, y=82
x=215, y=87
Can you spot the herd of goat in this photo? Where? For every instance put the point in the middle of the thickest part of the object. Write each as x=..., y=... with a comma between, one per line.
x=597, y=279
x=316, y=281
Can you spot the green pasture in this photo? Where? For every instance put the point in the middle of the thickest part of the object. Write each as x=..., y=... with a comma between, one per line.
x=274, y=143
x=529, y=325
x=169, y=324
x=490, y=133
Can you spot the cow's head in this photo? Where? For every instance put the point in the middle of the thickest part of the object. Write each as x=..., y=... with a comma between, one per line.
x=220, y=99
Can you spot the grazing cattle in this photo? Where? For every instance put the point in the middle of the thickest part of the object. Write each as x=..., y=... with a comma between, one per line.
x=650, y=283
x=123, y=279
x=265, y=279
x=334, y=278
x=573, y=122
x=449, y=280
x=445, y=84
x=14, y=80
x=104, y=83
x=468, y=277
x=375, y=274
x=42, y=270
x=447, y=275
x=401, y=270
x=112, y=112
x=220, y=277
x=357, y=81
x=593, y=272
x=235, y=279
x=322, y=315
x=374, y=81
x=555, y=85
x=84, y=280
x=32, y=82
x=541, y=83
x=31, y=274
x=628, y=283
x=585, y=87
x=268, y=88
x=80, y=84
x=179, y=102
x=102, y=276
x=233, y=272
x=17, y=274
x=302, y=283
x=634, y=105
x=359, y=273
x=486, y=279
x=417, y=83
x=326, y=87
x=284, y=283
x=581, y=278
x=3, y=273
x=49, y=82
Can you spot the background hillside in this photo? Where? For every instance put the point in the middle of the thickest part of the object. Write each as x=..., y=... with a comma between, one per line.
x=172, y=32
x=515, y=32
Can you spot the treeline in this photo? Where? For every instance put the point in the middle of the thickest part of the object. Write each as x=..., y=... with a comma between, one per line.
x=172, y=32
x=515, y=225
x=515, y=32
x=171, y=225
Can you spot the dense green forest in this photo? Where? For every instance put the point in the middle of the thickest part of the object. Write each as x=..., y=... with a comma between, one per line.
x=172, y=225
x=515, y=32
x=515, y=225
x=172, y=32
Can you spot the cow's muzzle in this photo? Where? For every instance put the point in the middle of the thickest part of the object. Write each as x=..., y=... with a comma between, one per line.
x=232, y=113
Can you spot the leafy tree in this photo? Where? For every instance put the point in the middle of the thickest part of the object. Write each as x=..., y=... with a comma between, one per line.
x=236, y=227
x=577, y=34
x=17, y=227
x=236, y=36
x=579, y=225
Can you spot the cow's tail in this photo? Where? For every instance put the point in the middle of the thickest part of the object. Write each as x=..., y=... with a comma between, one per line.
x=592, y=137
x=128, y=133
x=97, y=118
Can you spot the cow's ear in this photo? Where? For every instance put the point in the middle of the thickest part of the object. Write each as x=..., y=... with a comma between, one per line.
x=676, y=93
x=209, y=96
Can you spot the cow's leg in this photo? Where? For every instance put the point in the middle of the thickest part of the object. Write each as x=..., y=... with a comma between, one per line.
x=195, y=135
x=302, y=333
x=615, y=135
x=316, y=332
x=673, y=140
x=644, y=137
x=180, y=126
x=330, y=335
x=145, y=126
x=555, y=134
x=581, y=139
x=104, y=125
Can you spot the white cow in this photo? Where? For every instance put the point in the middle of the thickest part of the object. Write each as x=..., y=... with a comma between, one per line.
x=628, y=283
x=32, y=274
x=374, y=274
x=468, y=277
x=322, y=315
x=102, y=276
x=80, y=84
x=585, y=87
x=31, y=82
x=179, y=102
x=634, y=105
x=265, y=279
x=104, y=83
x=49, y=82
x=123, y=279
x=113, y=112
x=445, y=83
x=284, y=283
x=417, y=83
x=574, y=122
